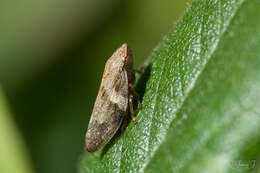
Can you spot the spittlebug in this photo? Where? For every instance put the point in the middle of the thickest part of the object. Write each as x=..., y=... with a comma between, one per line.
x=115, y=94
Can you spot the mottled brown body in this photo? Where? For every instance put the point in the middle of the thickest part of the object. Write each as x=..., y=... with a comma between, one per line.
x=112, y=101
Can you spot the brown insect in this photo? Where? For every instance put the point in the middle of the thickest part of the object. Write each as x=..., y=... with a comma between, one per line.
x=115, y=93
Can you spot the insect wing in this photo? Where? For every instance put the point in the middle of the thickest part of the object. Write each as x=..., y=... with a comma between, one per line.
x=109, y=110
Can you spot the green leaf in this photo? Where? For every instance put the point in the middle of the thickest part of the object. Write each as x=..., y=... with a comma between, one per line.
x=13, y=157
x=201, y=101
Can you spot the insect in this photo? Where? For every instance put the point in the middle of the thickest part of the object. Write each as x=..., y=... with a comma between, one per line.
x=115, y=94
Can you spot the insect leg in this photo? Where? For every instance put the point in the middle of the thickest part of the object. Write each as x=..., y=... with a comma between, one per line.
x=137, y=97
x=132, y=108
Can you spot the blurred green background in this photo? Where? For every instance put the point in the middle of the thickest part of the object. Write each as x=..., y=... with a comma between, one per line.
x=52, y=55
